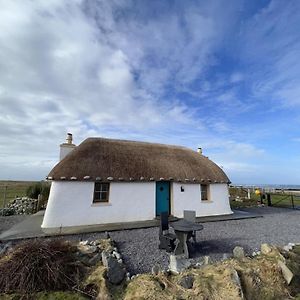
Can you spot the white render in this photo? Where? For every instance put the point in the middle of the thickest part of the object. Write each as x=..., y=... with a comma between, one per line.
x=65, y=149
x=190, y=199
x=71, y=203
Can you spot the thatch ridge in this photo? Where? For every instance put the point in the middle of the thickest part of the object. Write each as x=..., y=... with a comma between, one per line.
x=123, y=160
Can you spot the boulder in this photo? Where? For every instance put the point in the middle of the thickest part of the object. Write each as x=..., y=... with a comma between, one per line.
x=187, y=281
x=206, y=260
x=238, y=252
x=115, y=272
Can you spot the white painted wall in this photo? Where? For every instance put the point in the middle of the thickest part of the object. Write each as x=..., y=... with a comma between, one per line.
x=71, y=204
x=190, y=199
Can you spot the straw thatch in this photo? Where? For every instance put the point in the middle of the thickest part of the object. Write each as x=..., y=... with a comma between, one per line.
x=120, y=160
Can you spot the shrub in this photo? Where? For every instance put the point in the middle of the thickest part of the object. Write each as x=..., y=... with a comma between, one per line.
x=40, y=265
x=42, y=188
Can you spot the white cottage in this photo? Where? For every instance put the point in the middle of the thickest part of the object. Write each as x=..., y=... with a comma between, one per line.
x=105, y=181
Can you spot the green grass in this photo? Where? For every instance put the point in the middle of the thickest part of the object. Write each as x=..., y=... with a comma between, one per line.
x=277, y=200
x=13, y=189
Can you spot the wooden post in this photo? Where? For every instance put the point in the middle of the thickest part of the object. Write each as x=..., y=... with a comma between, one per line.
x=269, y=199
x=292, y=198
x=4, y=199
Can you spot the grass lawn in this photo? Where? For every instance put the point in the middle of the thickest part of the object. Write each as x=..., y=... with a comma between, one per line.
x=13, y=189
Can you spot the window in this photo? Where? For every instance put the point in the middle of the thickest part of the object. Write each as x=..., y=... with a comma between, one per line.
x=204, y=192
x=101, y=192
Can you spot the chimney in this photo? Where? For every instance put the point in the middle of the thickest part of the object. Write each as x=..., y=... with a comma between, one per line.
x=199, y=150
x=67, y=147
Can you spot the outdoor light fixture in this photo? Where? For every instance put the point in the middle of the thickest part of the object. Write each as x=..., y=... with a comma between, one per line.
x=182, y=189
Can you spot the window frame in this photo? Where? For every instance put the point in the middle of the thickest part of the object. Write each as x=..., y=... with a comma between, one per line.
x=204, y=190
x=98, y=189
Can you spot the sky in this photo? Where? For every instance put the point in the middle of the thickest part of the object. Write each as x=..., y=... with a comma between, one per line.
x=221, y=75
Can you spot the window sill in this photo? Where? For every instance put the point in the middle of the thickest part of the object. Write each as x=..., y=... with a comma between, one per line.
x=207, y=201
x=101, y=204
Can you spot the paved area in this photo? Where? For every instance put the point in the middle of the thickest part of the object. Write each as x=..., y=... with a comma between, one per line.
x=30, y=226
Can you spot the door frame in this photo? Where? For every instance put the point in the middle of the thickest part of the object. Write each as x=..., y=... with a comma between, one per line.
x=169, y=196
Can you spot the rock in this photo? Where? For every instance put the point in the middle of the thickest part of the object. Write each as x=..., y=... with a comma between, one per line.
x=115, y=271
x=120, y=261
x=83, y=243
x=128, y=276
x=95, y=259
x=116, y=254
x=187, y=281
x=178, y=263
x=236, y=279
x=206, y=260
x=225, y=256
x=287, y=248
x=155, y=269
x=238, y=252
x=107, y=236
x=105, y=256
x=286, y=272
x=265, y=249
x=87, y=249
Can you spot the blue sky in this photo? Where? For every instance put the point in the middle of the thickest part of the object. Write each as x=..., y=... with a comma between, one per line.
x=221, y=75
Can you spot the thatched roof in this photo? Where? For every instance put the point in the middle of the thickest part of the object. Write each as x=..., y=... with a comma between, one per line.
x=120, y=160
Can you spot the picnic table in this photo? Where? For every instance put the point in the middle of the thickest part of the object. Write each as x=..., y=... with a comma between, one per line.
x=182, y=228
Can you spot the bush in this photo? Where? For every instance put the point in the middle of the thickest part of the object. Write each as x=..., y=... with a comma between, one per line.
x=40, y=265
x=42, y=188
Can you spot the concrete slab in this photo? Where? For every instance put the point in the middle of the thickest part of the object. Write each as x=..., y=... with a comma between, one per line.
x=31, y=226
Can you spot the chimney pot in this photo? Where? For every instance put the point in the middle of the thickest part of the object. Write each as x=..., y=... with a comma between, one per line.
x=69, y=138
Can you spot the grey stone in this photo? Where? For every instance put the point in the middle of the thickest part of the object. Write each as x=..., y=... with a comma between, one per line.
x=115, y=272
x=238, y=252
x=206, y=260
x=286, y=272
x=120, y=261
x=155, y=269
x=265, y=248
x=105, y=256
x=87, y=249
x=178, y=263
x=187, y=281
x=236, y=279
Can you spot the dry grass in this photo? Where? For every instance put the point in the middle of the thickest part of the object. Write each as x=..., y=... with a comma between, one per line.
x=40, y=265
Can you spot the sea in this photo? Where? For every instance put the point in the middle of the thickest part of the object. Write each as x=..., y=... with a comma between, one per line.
x=290, y=187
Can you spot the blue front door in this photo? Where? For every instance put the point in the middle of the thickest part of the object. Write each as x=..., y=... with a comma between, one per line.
x=162, y=197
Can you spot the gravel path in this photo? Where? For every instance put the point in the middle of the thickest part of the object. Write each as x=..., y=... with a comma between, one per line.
x=9, y=221
x=139, y=247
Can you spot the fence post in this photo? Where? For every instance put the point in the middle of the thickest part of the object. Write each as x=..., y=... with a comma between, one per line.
x=4, y=198
x=292, y=196
x=269, y=199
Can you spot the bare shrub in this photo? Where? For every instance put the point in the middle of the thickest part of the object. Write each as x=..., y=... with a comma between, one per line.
x=40, y=265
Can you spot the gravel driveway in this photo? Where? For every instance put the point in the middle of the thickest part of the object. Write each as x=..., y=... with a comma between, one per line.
x=139, y=247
